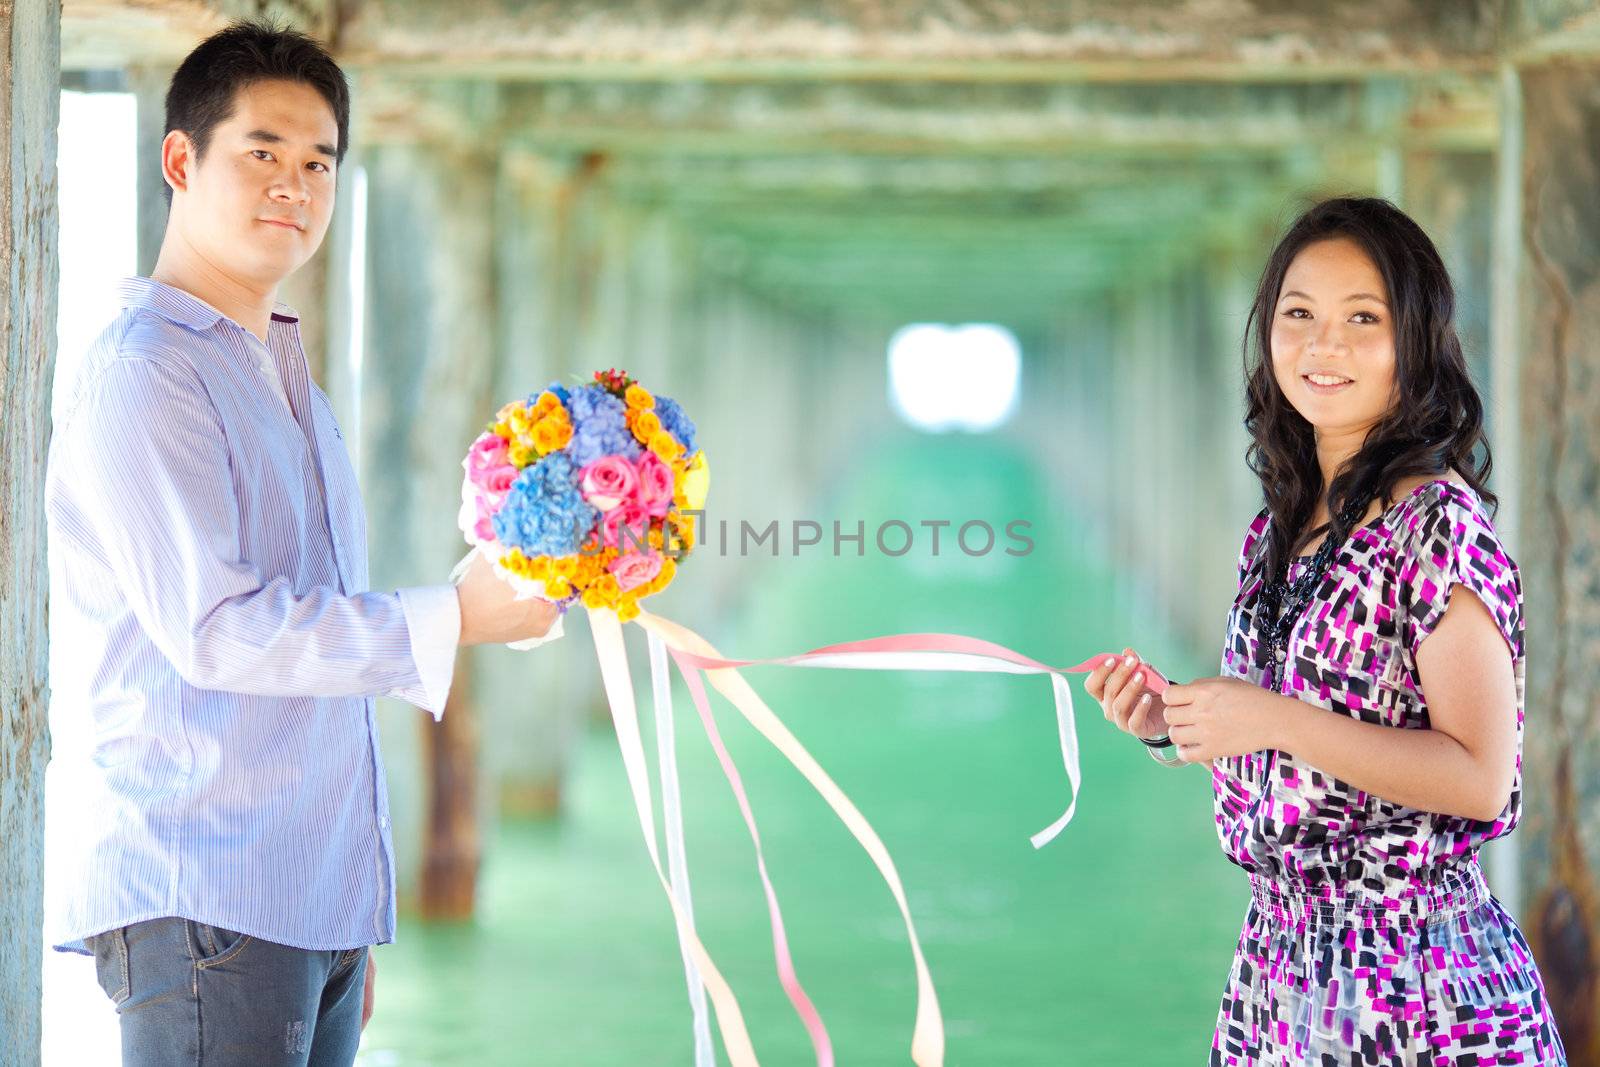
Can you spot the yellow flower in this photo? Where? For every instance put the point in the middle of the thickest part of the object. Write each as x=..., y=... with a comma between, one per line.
x=589, y=569
x=669, y=570
x=696, y=482
x=521, y=455
x=565, y=568
x=547, y=403
x=665, y=445
x=536, y=569
x=592, y=598
x=551, y=435
x=556, y=588
x=639, y=398
x=520, y=420
x=608, y=587
x=627, y=609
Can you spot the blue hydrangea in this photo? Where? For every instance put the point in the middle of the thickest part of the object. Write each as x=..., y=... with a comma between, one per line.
x=599, y=427
x=675, y=422
x=545, y=514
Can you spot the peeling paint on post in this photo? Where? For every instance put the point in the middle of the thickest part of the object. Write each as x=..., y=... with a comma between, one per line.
x=29, y=77
x=1560, y=473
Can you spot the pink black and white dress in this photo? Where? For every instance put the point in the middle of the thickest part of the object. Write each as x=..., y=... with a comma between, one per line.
x=1371, y=938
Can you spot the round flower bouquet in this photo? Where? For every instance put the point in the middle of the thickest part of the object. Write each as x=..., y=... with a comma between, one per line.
x=586, y=493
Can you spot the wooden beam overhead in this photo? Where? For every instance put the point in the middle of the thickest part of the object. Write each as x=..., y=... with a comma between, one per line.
x=954, y=40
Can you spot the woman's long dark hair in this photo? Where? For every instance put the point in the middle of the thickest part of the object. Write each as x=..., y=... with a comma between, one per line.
x=1436, y=422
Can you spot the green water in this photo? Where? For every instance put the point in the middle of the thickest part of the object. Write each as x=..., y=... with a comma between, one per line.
x=1108, y=947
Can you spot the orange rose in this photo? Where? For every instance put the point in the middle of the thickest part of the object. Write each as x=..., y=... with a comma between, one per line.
x=665, y=445
x=644, y=424
x=551, y=435
x=638, y=398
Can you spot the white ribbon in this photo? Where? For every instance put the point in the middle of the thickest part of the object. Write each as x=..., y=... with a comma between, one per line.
x=677, y=862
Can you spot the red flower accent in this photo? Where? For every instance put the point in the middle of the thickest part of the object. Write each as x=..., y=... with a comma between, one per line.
x=613, y=380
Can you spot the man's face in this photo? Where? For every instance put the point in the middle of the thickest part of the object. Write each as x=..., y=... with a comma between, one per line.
x=257, y=204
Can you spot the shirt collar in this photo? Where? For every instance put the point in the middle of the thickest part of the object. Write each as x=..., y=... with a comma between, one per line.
x=181, y=307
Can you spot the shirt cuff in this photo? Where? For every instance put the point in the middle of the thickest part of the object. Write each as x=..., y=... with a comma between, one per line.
x=433, y=619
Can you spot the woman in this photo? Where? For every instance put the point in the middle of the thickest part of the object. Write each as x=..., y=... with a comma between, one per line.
x=1364, y=738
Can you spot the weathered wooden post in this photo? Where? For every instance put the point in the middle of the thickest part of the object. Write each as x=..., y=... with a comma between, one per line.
x=29, y=103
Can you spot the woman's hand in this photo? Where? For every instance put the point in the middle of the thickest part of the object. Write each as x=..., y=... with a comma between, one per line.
x=1118, y=684
x=1211, y=718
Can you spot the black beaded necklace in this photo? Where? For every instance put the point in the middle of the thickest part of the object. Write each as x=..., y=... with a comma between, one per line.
x=1282, y=603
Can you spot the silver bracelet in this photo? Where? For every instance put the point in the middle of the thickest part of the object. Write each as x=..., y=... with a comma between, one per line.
x=1161, y=757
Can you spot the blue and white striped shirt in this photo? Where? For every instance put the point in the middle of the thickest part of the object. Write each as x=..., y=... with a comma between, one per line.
x=212, y=632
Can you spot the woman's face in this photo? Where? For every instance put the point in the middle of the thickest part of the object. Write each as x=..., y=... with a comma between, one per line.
x=1333, y=339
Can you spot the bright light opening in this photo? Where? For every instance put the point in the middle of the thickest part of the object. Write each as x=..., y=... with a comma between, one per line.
x=356, y=279
x=98, y=210
x=98, y=213
x=949, y=378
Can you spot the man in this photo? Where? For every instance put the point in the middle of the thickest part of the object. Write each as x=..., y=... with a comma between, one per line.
x=208, y=581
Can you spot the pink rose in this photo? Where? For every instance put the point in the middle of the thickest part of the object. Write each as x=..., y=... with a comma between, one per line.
x=634, y=518
x=484, y=529
x=487, y=451
x=635, y=569
x=495, y=482
x=655, y=485
x=608, y=481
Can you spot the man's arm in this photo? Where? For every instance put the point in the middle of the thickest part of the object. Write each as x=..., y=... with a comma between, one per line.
x=148, y=459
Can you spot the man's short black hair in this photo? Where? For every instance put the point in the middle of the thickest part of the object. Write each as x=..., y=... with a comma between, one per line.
x=208, y=81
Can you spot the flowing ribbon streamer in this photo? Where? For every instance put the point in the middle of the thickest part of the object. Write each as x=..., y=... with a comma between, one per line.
x=914, y=652
x=694, y=654
x=613, y=656
x=821, y=1044
x=690, y=649
x=705, y=1054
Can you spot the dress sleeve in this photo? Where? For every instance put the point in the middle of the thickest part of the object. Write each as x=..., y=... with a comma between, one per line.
x=1450, y=541
x=1236, y=643
x=1252, y=539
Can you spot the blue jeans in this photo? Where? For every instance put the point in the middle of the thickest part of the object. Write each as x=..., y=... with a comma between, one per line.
x=187, y=993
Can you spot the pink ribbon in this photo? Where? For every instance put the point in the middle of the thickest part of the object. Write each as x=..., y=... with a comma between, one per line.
x=931, y=643
x=787, y=977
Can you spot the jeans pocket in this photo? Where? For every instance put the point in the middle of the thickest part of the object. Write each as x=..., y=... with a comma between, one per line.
x=213, y=945
x=111, y=963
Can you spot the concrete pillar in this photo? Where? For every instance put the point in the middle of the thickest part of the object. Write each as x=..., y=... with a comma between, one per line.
x=307, y=291
x=1451, y=195
x=149, y=87
x=427, y=384
x=1139, y=367
x=1092, y=354
x=29, y=105
x=1560, y=513
x=534, y=738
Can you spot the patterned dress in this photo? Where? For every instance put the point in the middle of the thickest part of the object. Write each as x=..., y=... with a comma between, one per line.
x=1371, y=937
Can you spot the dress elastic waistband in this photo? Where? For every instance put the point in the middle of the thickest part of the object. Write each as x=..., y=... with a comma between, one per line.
x=1458, y=891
